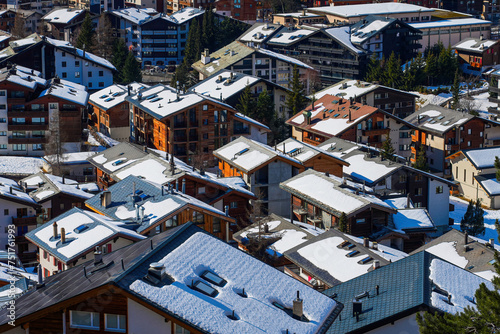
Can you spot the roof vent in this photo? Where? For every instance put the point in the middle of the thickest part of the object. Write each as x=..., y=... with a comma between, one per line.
x=106, y=199
x=97, y=256
x=298, y=307
x=376, y=264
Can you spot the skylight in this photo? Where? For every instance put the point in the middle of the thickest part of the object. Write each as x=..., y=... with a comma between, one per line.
x=157, y=99
x=205, y=289
x=109, y=99
x=336, y=115
x=440, y=117
x=103, y=96
x=446, y=123
x=351, y=254
x=117, y=162
x=366, y=260
x=213, y=278
x=151, y=97
x=80, y=228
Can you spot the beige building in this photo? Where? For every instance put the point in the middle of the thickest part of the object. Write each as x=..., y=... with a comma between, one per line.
x=474, y=171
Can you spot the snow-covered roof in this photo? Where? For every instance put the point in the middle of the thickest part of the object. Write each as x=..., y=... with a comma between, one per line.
x=112, y=96
x=259, y=32
x=412, y=219
x=330, y=195
x=458, y=283
x=247, y=154
x=70, y=158
x=362, y=30
x=284, y=58
x=386, y=8
x=369, y=170
x=287, y=36
x=161, y=101
x=62, y=16
x=11, y=273
x=263, y=283
x=489, y=183
x=449, y=23
x=474, y=45
x=83, y=229
x=399, y=202
x=482, y=158
x=134, y=15
x=50, y=185
x=186, y=14
x=23, y=76
x=343, y=36
x=437, y=119
x=68, y=91
x=354, y=88
x=152, y=199
x=303, y=152
x=10, y=191
x=10, y=165
x=116, y=157
x=224, y=84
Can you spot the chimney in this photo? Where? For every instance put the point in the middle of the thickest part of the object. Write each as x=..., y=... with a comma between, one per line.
x=40, y=276
x=63, y=179
x=63, y=235
x=492, y=242
x=205, y=57
x=327, y=174
x=54, y=226
x=366, y=242
x=145, y=149
x=219, y=79
x=172, y=165
x=141, y=212
x=449, y=298
x=83, y=51
x=97, y=255
x=183, y=186
x=10, y=190
x=357, y=308
x=408, y=201
x=266, y=228
x=176, y=184
x=106, y=199
x=375, y=245
x=307, y=117
x=376, y=264
x=129, y=89
x=298, y=307
x=377, y=288
x=466, y=238
x=350, y=117
x=304, y=12
x=231, y=75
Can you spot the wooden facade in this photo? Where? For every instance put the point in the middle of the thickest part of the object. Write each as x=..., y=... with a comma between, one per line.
x=105, y=120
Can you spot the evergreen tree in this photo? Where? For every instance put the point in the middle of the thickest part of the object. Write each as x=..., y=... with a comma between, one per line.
x=131, y=70
x=343, y=223
x=181, y=75
x=473, y=220
x=455, y=91
x=497, y=167
x=421, y=160
x=393, y=73
x=193, y=44
x=485, y=318
x=208, y=28
x=120, y=53
x=265, y=108
x=104, y=38
x=373, y=70
x=86, y=35
x=296, y=100
x=418, y=66
x=246, y=103
x=387, y=151
x=430, y=67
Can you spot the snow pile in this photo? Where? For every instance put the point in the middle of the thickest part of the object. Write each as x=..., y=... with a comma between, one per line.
x=262, y=283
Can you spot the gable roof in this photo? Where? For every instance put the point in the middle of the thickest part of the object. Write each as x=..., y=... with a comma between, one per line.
x=185, y=252
x=51, y=185
x=327, y=257
x=418, y=282
x=83, y=229
x=372, y=25
x=134, y=15
x=112, y=96
x=436, y=119
x=62, y=16
x=331, y=195
x=259, y=32
x=476, y=45
x=10, y=191
x=481, y=158
x=116, y=157
x=248, y=155
x=343, y=36
x=304, y=152
x=355, y=89
x=478, y=257
x=132, y=195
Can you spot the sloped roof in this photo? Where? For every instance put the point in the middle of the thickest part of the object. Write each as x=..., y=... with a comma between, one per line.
x=476, y=45
x=116, y=157
x=190, y=249
x=481, y=158
x=354, y=89
x=51, y=185
x=112, y=96
x=436, y=119
x=303, y=152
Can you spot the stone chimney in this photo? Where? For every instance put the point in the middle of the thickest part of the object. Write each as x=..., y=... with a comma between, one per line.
x=54, y=227
x=97, y=255
x=298, y=307
x=205, y=57
x=106, y=199
x=63, y=235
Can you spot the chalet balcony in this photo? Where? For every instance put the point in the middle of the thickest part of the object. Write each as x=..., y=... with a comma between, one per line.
x=300, y=210
x=375, y=132
x=452, y=147
x=314, y=219
x=106, y=182
x=24, y=221
x=180, y=139
x=310, y=141
x=27, y=113
x=27, y=140
x=180, y=125
x=28, y=127
x=494, y=99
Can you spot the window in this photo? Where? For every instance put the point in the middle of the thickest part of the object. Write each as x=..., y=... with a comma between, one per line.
x=90, y=74
x=90, y=84
x=3, y=120
x=3, y=107
x=3, y=146
x=179, y=330
x=201, y=190
x=469, y=131
x=439, y=189
x=63, y=54
x=3, y=133
x=63, y=64
x=418, y=177
x=101, y=73
x=101, y=84
x=19, y=147
x=77, y=63
x=402, y=178
x=2, y=93
x=5, y=212
x=418, y=204
x=465, y=175
x=77, y=74
x=61, y=206
x=37, y=147
x=198, y=217
x=360, y=221
x=234, y=205
x=216, y=225
x=82, y=319
x=115, y=322
x=204, y=288
x=18, y=120
x=205, y=107
x=418, y=191
x=64, y=74
x=171, y=222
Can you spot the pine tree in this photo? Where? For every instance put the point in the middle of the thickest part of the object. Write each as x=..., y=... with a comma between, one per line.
x=265, y=108
x=393, y=73
x=473, y=220
x=131, y=70
x=497, y=167
x=120, y=53
x=430, y=67
x=373, y=70
x=296, y=100
x=485, y=318
x=193, y=44
x=387, y=151
x=86, y=35
x=208, y=28
x=246, y=103
x=181, y=75
x=343, y=223
x=421, y=160
x=455, y=91
x=104, y=38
